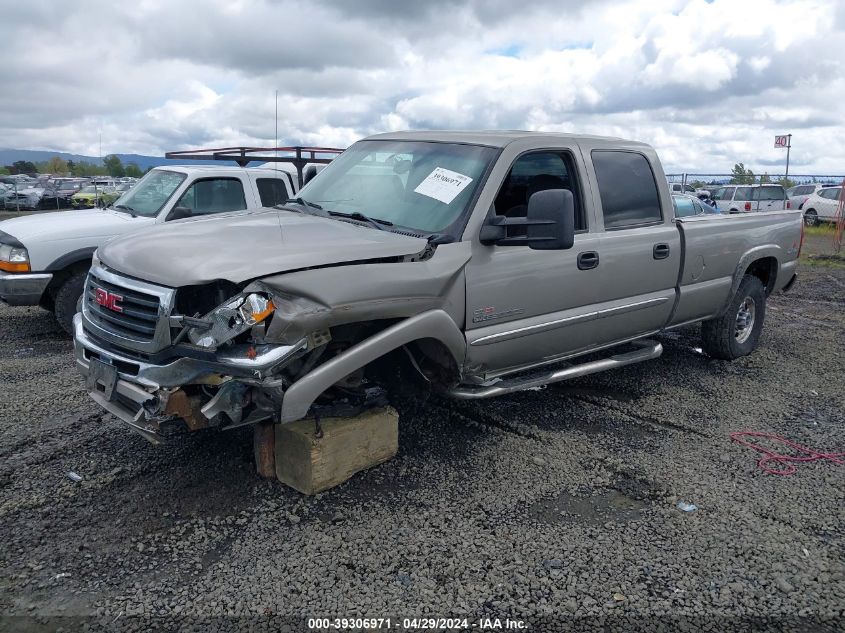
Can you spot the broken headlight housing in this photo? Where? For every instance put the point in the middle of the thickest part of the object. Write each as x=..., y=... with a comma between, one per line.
x=231, y=319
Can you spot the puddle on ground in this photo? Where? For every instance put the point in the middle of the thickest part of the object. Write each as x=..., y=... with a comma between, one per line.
x=598, y=509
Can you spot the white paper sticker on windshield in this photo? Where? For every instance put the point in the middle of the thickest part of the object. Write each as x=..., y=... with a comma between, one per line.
x=443, y=184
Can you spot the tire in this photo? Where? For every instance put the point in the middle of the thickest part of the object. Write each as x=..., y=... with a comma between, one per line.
x=811, y=218
x=47, y=301
x=737, y=332
x=68, y=298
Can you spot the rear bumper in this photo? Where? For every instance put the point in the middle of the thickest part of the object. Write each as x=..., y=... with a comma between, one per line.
x=23, y=289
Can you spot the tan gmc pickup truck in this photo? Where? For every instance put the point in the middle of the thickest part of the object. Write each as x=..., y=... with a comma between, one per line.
x=472, y=263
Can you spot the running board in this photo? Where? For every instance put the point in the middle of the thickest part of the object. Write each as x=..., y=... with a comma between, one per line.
x=647, y=350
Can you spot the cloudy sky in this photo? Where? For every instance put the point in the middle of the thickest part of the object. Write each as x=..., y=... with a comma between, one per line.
x=707, y=83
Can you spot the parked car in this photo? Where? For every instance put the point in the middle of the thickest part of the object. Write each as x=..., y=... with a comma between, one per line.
x=94, y=196
x=481, y=263
x=59, y=192
x=27, y=197
x=54, y=249
x=751, y=198
x=689, y=206
x=676, y=187
x=822, y=205
x=799, y=193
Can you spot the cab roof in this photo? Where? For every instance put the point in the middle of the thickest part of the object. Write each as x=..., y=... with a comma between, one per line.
x=234, y=169
x=493, y=138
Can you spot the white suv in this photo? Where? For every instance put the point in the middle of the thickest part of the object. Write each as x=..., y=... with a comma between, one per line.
x=799, y=193
x=751, y=198
x=822, y=205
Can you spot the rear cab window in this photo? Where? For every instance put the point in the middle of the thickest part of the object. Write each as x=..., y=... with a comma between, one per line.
x=214, y=195
x=627, y=188
x=271, y=191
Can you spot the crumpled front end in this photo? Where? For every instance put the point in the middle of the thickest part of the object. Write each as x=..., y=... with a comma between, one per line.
x=165, y=373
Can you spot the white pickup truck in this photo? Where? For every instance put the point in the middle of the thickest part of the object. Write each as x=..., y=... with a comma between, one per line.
x=44, y=257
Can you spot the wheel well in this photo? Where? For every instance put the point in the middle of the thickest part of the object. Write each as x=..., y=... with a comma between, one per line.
x=766, y=270
x=426, y=357
x=61, y=276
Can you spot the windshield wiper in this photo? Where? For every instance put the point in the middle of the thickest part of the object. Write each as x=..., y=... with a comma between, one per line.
x=376, y=223
x=128, y=208
x=300, y=201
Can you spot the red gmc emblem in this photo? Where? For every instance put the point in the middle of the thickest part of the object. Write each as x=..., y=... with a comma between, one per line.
x=108, y=299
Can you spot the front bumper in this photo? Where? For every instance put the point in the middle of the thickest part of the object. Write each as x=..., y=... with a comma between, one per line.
x=141, y=383
x=23, y=289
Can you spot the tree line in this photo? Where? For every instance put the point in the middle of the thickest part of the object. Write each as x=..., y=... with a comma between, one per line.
x=741, y=175
x=112, y=166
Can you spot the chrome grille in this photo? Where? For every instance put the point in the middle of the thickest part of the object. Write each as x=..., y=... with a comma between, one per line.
x=139, y=313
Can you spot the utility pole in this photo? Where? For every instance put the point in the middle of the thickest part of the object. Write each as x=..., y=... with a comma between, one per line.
x=277, y=122
x=788, y=145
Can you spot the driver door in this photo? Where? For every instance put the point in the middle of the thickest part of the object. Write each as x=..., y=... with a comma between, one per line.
x=532, y=306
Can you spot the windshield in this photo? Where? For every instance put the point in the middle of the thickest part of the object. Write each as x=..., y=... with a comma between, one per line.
x=151, y=193
x=416, y=184
x=89, y=189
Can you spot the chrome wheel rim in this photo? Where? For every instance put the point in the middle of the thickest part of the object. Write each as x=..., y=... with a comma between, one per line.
x=745, y=320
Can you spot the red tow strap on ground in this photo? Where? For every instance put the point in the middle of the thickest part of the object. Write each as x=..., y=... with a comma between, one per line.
x=804, y=454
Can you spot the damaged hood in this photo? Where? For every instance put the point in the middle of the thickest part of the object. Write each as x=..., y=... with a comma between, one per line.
x=240, y=247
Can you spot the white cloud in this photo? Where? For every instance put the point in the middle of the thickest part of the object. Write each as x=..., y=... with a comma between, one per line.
x=707, y=83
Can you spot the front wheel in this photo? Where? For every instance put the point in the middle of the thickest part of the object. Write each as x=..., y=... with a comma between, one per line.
x=68, y=300
x=737, y=332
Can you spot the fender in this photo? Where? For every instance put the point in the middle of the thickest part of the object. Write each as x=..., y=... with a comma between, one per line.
x=758, y=252
x=74, y=257
x=434, y=324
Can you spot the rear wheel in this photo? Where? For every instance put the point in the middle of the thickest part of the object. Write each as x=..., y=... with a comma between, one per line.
x=811, y=218
x=737, y=332
x=68, y=300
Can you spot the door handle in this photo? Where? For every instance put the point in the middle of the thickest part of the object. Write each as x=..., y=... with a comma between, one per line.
x=588, y=260
x=660, y=251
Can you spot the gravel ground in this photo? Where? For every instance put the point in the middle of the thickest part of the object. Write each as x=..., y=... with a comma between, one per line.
x=556, y=507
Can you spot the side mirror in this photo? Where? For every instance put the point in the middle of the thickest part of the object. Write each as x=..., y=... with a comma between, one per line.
x=550, y=223
x=179, y=212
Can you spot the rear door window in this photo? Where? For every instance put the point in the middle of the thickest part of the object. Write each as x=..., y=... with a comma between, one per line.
x=769, y=193
x=744, y=193
x=627, y=189
x=725, y=193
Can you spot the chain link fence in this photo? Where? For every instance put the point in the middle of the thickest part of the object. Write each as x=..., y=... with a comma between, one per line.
x=755, y=179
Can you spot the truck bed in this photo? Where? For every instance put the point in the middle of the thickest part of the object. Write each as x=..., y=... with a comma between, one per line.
x=716, y=248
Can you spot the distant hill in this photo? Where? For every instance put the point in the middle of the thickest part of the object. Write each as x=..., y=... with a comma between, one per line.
x=9, y=156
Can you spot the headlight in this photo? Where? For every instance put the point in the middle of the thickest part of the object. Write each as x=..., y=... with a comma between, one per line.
x=232, y=318
x=14, y=259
